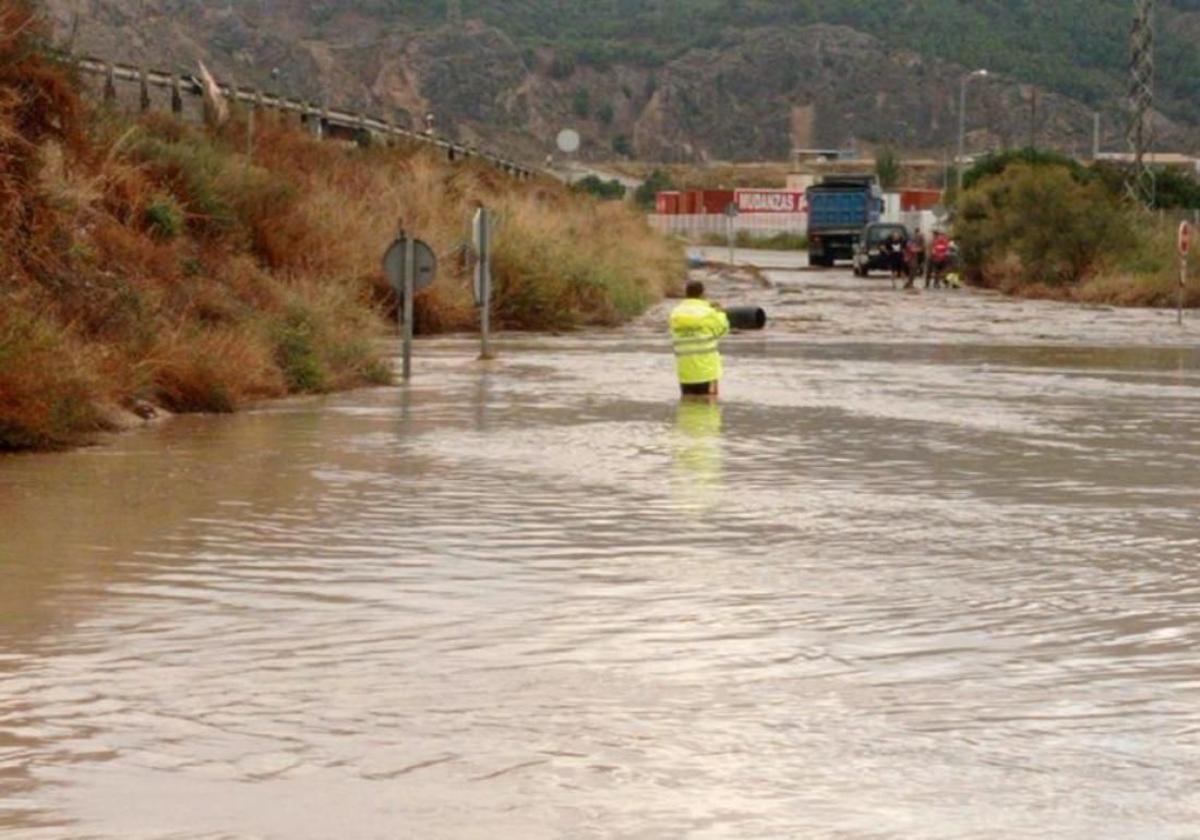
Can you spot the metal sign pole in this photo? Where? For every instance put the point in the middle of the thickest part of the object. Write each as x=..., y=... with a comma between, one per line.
x=410, y=271
x=483, y=279
x=1185, y=247
x=732, y=242
x=731, y=214
x=250, y=133
x=1182, y=285
x=410, y=266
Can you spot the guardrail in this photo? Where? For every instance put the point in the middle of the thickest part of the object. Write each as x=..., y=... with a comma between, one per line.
x=324, y=122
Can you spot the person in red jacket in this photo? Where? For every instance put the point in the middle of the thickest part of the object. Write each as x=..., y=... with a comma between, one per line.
x=939, y=260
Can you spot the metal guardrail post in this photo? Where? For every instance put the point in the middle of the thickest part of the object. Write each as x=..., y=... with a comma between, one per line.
x=110, y=84
x=143, y=90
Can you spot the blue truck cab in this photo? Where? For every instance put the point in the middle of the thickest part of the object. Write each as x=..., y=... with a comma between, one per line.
x=838, y=209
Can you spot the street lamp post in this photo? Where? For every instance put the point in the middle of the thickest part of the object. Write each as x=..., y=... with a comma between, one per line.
x=962, y=121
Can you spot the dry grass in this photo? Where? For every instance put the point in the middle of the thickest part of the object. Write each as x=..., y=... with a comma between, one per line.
x=1147, y=275
x=1144, y=275
x=153, y=261
x=49, y=381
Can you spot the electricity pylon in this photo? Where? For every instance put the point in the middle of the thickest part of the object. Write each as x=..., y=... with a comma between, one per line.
x=1140, y=183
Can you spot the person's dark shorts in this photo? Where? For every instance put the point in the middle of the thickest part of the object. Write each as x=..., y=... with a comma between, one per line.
x=699, y=389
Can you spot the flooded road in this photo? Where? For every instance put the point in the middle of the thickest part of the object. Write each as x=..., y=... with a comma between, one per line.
x=930, y=570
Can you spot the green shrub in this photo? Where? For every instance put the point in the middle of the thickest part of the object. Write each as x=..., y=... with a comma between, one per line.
x=647, y=193
x=995, y=164
x=296, y=349
x=164, y=217
x=191, y=167
x=1043, y=221
x=607, y=190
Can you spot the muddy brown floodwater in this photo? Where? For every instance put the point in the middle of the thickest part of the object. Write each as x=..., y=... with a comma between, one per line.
x=930, y=570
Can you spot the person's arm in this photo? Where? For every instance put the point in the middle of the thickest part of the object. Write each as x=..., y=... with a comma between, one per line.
x=719, y=323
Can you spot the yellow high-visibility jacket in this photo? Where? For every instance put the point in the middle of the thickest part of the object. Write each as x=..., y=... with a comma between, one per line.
x=696, y=330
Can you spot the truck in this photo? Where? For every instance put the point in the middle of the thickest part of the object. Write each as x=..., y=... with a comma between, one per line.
x=839, y=207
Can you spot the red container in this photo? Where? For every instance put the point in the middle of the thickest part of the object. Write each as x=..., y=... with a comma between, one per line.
x=913, y=201
x=668, y=203
x=714, y=201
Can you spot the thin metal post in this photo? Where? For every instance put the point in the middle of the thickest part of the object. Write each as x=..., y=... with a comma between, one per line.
x=144, y=89
x=483, y=279
x=250, y=115
x=732, y=241
x=1183, y=267
x=962, y=123
x=410, y=271
x=110, y=84
x=485, y=320
x=1033, y=118
x=962, y=132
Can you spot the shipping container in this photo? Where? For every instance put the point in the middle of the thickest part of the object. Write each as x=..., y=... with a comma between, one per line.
x=667, y=203
x=705, y=202
x=914, y=201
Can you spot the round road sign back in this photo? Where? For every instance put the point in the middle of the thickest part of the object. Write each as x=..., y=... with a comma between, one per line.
x=1185, y=238
x=568, y=140
x=394, y=267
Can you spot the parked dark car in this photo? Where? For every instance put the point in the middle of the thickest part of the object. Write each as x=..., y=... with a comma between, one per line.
x=868, y=251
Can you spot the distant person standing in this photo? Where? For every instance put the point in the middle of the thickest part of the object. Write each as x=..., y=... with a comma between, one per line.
x=939, y=259
x=697, y=328
x=915, y=258
x=894, y=248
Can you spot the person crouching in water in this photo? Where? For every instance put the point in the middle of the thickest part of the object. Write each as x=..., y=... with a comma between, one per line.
x=697, y=328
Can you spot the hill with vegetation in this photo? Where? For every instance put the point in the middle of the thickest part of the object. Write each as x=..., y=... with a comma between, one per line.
x=681, y=80
x=1074, y=47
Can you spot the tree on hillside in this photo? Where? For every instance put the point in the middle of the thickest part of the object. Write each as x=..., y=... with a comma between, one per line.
x=996, y=163
x=648, y=192
x=887, y=168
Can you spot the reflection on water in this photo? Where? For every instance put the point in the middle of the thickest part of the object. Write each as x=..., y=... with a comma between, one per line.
x=882, y=589
x=697, y=452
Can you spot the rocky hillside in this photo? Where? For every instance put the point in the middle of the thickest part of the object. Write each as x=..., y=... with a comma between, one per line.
x=748, y=94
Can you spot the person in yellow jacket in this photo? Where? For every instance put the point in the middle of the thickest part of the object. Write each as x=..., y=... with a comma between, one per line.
x=697, y=328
